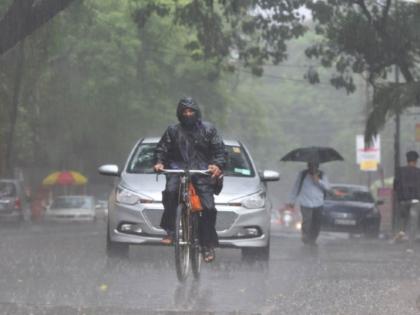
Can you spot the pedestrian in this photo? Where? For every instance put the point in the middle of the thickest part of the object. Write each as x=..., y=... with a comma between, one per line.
x=406, y=188
x=193, y=144
x=308, y=191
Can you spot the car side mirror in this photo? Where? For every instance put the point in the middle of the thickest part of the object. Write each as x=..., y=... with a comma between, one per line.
x=109, y=170
x=269, y=176
x=379, y=202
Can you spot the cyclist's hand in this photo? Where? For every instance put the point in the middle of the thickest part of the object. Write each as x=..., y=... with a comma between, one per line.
x=214, y=170
x=158, y=167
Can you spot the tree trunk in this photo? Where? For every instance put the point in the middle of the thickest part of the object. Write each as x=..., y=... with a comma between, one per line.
x=13, y=110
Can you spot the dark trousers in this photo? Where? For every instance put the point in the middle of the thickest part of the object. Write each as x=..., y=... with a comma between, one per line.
x=207, y=219
x=403, y=216
x=311, y=223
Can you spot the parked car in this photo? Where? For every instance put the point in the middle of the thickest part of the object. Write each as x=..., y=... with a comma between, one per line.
x=71, y=208
x=135, y=205
x=14, y=203
x=351, y=208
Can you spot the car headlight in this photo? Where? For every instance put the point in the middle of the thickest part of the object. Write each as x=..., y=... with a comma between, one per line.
x=129, y=197
x=254, y=201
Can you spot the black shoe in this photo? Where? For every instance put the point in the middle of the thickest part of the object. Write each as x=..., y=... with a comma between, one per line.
x=308, y=241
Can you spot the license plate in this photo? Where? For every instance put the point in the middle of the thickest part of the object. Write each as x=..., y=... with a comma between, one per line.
x=345, y=222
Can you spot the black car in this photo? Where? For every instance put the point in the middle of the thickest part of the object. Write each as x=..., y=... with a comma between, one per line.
x=352, y=209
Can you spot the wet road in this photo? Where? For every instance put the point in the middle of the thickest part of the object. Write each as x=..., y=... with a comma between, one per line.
x=62, y=269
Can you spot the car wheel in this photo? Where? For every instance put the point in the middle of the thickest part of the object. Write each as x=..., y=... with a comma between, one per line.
x=256, y=253
x=115, y=249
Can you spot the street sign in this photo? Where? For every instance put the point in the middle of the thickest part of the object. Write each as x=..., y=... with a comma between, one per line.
x=368, y=157
x=369, y=165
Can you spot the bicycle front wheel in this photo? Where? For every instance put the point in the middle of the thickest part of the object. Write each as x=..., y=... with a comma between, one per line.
x=195, y=246
x=182, y=243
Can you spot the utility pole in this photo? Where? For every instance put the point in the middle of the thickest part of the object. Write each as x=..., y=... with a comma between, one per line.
x=367, y=96
x=396, y=153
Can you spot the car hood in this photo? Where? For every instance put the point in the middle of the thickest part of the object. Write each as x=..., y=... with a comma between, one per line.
x=152, y=186
x=345, y=206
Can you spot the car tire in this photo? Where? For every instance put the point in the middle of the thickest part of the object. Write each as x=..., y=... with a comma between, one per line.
x=116, y=249
x=256, y=253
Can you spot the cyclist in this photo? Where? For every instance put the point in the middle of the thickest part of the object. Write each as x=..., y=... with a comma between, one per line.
x=407, y=188
x=192, y=144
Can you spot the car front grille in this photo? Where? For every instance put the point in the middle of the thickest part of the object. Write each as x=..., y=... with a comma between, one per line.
x=224, y=221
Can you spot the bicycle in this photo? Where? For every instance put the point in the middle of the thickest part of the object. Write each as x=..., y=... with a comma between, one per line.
x=187, y=245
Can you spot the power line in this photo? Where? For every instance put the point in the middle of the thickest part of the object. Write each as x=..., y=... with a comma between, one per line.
x=267, y=75
x=273, y=76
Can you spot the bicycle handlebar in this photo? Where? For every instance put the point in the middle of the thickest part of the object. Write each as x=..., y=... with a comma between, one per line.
x=169, y=171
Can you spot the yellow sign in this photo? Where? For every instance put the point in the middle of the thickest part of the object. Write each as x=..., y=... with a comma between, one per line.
x=369, y=165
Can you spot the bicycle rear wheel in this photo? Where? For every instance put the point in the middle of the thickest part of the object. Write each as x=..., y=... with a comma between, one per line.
x=195, y=246
x=182, y=243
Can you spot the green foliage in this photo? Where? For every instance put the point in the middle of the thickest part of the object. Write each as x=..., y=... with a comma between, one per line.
x=95, y=83
x=254, y=31
x=369, y=37
x=105, y=73
x=390, y=99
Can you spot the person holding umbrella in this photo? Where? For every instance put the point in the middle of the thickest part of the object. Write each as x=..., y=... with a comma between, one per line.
x=310, y=187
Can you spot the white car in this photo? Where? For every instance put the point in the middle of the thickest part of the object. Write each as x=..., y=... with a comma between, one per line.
x=71, y=208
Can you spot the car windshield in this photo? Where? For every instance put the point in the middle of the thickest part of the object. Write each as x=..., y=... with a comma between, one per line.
x=238, y=163
x=7, y=189
x=339, y=193
x=72, y=203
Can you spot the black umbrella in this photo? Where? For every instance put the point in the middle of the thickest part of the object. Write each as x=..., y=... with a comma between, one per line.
x=313, y=154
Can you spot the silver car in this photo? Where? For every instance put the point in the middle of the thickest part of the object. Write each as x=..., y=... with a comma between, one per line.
x=135, y=204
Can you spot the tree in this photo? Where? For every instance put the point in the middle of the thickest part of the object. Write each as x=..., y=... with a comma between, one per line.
x=363, y=37
x=251, y=31
x=23, y=17
x=98, y=84
x=371, y=38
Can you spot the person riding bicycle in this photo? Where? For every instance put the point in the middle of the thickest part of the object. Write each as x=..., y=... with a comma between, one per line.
x=191, y=144
x=407, y=188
